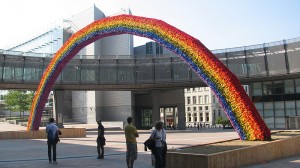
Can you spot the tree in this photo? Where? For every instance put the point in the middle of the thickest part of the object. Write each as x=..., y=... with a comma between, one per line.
x=18, y=100
x=222, y=121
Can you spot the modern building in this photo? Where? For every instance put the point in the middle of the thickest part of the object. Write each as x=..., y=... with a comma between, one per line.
x=275, y=94
x=88, y=106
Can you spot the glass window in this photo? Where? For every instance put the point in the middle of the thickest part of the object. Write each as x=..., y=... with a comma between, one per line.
x=206, y=99
x=256, y=61
x=260, y=108
x=297, y=83
x=267, y=88
x=149, y=49
x=276, y=60
x=207, y=116
x=188, y=100
x=201, y=117
x=146, y=118
x=257, y=89
x=194, y=108
x=214, y=99
x=237, y=63
x=206, y=107
x=298, y=107
x=293, y=53
x=195, y=117
x=290, y=108
x=268, y=109
x=190, y=117
x=200, y=108
x=279, y=108
x=269, y=122
x=278, y=87
x=280, y=122
x=246, y=88
x=189, y=109
x=194, y=100
x=289, y=86
x=200, y=100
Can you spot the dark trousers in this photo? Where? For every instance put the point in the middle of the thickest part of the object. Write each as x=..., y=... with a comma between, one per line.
x=164, y=153
x=51, y=144
x=158, y=157
x=100, y=150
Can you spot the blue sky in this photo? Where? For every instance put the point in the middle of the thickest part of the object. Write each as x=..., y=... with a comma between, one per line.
x=216, y=23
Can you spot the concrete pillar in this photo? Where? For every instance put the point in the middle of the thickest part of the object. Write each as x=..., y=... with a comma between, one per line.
x=181, y=116
x=58, y=107
x=186, y=117
x=155, y=96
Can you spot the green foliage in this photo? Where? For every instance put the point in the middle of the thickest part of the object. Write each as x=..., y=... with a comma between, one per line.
x=222, y=121
x=18, y=100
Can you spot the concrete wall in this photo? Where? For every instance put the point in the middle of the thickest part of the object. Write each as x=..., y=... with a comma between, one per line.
x=237, y=158
x=84, y=107
x=41, y=134
x=115, y=106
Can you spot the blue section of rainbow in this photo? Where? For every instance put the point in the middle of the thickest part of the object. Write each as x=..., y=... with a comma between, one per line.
x=237, y=105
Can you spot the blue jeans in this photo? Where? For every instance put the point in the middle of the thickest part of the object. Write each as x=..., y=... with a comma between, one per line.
x=158, y=157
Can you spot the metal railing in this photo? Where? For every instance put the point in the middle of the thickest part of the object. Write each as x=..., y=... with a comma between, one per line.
x=247, y=63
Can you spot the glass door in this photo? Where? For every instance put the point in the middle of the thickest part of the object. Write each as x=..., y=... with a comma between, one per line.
x=169, y=116
x=147, y=118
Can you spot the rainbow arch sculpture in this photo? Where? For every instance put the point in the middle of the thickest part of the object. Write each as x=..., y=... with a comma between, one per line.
x=237, y=105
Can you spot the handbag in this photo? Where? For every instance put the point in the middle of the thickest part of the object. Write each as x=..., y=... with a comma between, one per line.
x=150, y=143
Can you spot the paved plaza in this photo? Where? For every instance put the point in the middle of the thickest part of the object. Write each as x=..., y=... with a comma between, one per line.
x=81, y=152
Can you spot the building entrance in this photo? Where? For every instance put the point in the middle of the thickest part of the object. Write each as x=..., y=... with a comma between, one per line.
x=169, y=115
x=146, y=118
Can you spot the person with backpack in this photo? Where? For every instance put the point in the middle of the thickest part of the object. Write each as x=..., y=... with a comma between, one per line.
x=52, y=139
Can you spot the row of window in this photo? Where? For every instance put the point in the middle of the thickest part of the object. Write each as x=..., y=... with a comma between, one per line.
x=195, y=108
x=195, y=89
x=276, y=87
x=193, y=117
x=201, y=99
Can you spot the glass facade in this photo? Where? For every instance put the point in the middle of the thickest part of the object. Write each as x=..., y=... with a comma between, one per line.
x=276, y=101
x=48, y=42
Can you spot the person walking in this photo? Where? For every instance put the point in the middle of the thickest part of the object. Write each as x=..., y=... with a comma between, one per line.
x=159, y=135
x=52, y=140
x=100, y=140
x=131, y=145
